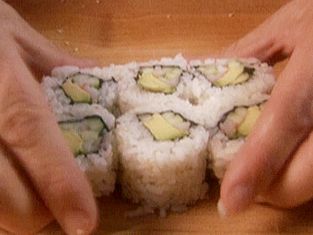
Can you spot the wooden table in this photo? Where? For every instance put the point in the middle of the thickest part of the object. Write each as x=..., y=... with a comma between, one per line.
x=119, y=31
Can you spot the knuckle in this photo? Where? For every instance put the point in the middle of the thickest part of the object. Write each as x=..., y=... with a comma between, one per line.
x=19, y=122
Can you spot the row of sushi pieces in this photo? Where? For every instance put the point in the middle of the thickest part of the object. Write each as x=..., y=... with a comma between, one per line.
x=158, y=126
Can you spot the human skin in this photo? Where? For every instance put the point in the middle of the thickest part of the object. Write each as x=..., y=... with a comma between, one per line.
x=275, y=165
x=40, y=178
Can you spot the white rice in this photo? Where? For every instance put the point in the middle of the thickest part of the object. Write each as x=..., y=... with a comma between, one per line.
x=167, y=175
x=100, y=168
x=221, y=152
x=105, y=96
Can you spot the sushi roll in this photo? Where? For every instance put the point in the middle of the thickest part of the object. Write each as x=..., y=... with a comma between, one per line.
x=142, y=83
x=231, y=134
x=207, y=90
x=163, y=160
x=88, y=131
x=232, y=83
x=70, y=85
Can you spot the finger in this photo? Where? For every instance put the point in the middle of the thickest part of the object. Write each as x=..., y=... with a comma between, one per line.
x=264, y=42
x=31, y=132
x=21, y=210
x=285, y=122
x=294, y=187
x=43, y=54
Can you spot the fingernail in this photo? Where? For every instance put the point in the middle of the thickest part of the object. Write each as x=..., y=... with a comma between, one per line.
x=221, y=209
x=77, y=223
x=238, y=199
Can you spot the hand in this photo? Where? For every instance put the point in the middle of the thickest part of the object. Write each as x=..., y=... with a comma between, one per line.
x=275, y=164
x=31, y=143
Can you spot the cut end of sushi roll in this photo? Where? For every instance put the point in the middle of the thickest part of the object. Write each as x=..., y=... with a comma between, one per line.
x=166, y=126
x=239, y=123
x=79, y=87
x=71, y=85
x=233, y=130
x=235, y=73
x=162, y=160
x=84, y=136
x=88, y=132
x=163, y=79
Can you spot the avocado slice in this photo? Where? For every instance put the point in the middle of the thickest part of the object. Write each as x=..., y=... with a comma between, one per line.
x=246, y=126
x=235, y=68
x=151, y=83
x=76, y=93
x=241, y=78
x=161, y=129
x=172, y=73
x=74, y=141
x=84, y=136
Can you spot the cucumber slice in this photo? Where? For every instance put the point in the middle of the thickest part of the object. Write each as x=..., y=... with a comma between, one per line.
x=95, y=123
x=91, y=141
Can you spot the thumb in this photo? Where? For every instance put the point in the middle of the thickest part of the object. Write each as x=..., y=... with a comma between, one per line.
x=284, y=123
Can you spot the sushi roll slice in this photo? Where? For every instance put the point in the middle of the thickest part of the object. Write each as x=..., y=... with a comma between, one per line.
x=231, y=134
x=88, y=132
x=162, y=80
x=233, y=72
x=233, y=82
x=70, y=86
x=163, y=160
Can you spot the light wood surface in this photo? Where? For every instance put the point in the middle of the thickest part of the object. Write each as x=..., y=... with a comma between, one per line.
x=124, y=30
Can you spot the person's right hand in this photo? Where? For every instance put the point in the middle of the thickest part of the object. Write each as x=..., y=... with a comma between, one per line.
x=31, y=143
x=275, y=165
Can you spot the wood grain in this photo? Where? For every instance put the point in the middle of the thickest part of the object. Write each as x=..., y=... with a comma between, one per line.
x=124, y=30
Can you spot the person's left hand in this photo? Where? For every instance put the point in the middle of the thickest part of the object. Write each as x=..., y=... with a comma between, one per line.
x=38, y=172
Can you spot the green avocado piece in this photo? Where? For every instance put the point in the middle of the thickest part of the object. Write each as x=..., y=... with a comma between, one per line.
x=75, y=93
x=161, y=129
x=74, y=141
x=151, y=83
x=247, y=124
x=235, y=68
x=172, y=73
x=241, y=78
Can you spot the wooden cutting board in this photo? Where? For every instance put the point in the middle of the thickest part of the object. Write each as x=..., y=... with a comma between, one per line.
x=124, y=30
